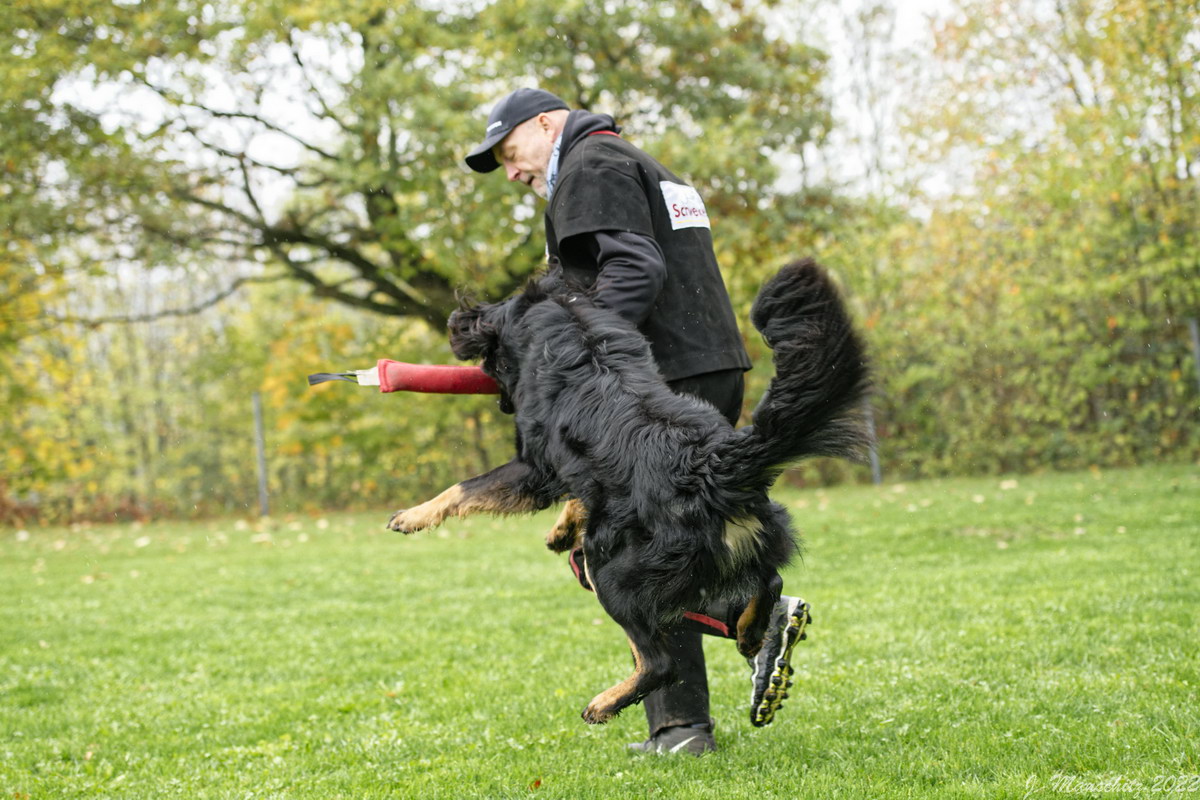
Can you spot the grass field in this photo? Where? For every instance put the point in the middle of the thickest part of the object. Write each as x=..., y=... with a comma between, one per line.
x=1023, y=637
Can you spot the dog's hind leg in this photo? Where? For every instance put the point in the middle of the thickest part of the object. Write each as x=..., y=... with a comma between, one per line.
x=752, y=622
x=652, y=669
x=513, y=488
x=653, y=666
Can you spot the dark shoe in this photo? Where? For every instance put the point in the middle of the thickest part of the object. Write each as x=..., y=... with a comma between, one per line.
x=694, y=739
x=772, y=669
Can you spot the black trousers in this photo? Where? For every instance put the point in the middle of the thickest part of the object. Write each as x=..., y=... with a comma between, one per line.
x=686, y=701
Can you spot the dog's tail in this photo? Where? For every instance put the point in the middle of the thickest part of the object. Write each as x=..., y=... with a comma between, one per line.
x=814, y=404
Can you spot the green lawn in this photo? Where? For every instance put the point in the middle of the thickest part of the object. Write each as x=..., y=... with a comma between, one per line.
x=972, y=638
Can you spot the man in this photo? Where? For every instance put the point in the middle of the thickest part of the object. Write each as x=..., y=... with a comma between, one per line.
x=620, y=222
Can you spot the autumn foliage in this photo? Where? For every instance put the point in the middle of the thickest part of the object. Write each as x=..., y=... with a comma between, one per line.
x=203, y=204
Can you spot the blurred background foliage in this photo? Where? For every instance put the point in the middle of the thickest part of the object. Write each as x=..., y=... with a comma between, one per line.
x=204, y=200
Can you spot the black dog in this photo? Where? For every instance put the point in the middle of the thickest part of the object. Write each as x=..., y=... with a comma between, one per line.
x=676, y=499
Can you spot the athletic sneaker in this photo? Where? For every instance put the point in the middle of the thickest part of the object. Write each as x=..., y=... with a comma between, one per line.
x=694, y=739
x=772, y=669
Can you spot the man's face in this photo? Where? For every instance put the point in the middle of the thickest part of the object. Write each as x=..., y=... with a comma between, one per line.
x=525, y=153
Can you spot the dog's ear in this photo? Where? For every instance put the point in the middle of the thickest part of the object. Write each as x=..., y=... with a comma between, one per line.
x=554, y=282
x=544, y=286
x=471, y=335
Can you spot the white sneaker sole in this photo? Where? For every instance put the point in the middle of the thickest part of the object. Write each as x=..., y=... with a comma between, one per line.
x=762, y=710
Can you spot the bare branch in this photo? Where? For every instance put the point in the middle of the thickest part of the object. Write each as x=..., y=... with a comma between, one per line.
x=408, y=298
x=248, y=190
x=239, y=156
x=403, y=307
x=312, y=86
x=95, y=322
x=271, y=126
x=166, y=94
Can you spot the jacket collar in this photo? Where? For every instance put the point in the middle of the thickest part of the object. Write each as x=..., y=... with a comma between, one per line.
x=581, y=124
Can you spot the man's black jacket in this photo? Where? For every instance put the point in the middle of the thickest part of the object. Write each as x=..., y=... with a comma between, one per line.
x=620, y=220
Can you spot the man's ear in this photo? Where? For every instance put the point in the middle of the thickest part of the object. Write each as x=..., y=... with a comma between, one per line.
x=547, y=125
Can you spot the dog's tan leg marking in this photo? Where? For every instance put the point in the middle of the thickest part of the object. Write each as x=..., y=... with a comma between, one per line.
x=746, y=622
x=458, y=501
x=429, y=514
x=609, y=703
x=567, y=533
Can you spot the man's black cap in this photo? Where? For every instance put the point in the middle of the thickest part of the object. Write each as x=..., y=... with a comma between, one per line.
x=510, y=112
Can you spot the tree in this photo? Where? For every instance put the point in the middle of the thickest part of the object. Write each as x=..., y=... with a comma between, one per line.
x=159, y=156
x=1062, y=249
x=323, y=141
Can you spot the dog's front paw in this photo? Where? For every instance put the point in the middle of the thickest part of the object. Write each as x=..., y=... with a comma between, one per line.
x=411, y=520
x=568, y=530
x=562, y=538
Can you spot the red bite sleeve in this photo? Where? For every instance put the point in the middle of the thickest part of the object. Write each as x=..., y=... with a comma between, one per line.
x=397, y=376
